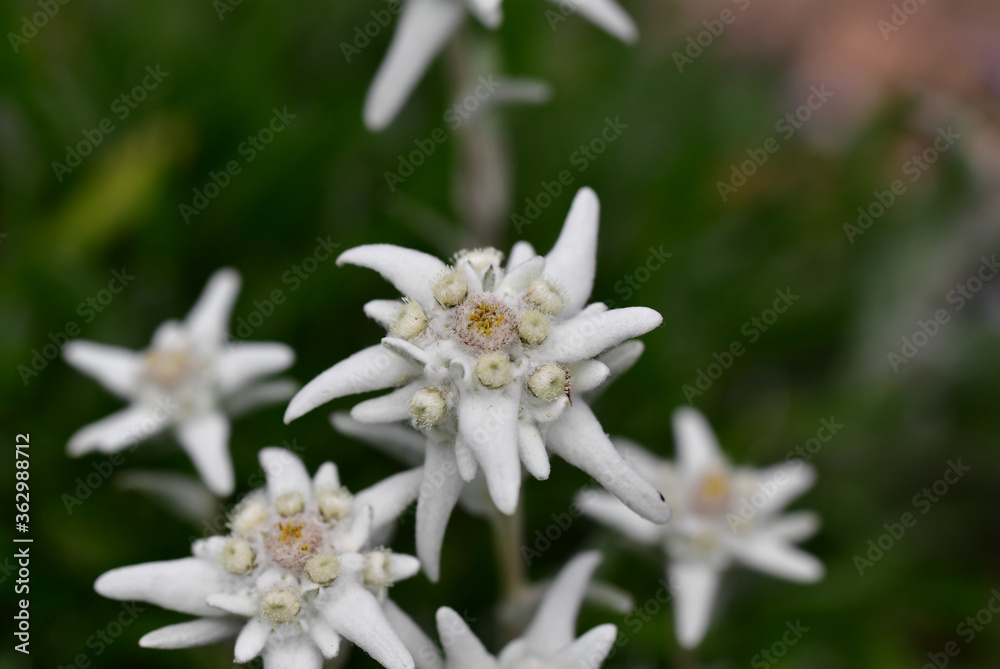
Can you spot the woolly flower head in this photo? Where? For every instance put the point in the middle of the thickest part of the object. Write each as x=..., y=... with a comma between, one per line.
x=490, y=361
x=723, y=514
x=294, y=575
x=190, y=379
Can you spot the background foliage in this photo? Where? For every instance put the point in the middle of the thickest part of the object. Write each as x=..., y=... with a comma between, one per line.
x=323, y=177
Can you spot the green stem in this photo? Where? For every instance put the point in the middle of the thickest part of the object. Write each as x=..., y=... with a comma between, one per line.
x=507, y=538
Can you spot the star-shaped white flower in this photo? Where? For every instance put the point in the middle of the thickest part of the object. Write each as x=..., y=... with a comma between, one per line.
x=293, y=577
x=191, y=379
x=426, y=26
x=722, y=514
x=549, y=642
x=491, y=363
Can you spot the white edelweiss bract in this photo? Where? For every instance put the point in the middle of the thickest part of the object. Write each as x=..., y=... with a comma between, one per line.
x=286, y=586
x=426, y=26
x=722, y=515
x=487, y=398
x=549, y=642
x=190, y=379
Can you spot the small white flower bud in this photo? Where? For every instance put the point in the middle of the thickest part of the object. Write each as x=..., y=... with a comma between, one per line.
x=427, y=407
x=545, y=296
x=548, y=382
x=323, y=568
x=534, y=327
x=280, y=606
x=377, y=568
x=494, y=370
x=248, y=516
x=334, y=504
x=237, y=556
x=450, y=288
x=411, y=321
x=289, y=504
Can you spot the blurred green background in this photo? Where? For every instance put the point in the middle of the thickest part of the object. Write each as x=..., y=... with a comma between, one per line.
x=323, y=177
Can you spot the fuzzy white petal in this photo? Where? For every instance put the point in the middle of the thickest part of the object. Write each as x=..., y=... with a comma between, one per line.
x=487, y=11
x=205, y=438
x=411, y=272
x=422, y=31
x=463, y=647
x=242, y=363
x=117, y=369
x=383, y=312
x=438, y=496
x=401, y=566
x=519, y=253
x=532, y=450
x=389, y=408
x=327, y=476
x=399, y=441
x=373, y=368
x=325, y=638
x=355, y=614
x=572, y=262
x=262, y=394
x=424, y=651
x=179, y=585
x=587, y=651
x=609, y=511
x=640, y=459
x=794, y=527
x=200, y=632
x=208, y=320
x=358, y=533
x=554, y=625
x=695, y=587
x=252, y=639
x=774, y=557
x=237, y=605
x=466, y=460
x=285, y=473
x=783, y=483
x=390, y=497
x=609, y=15
x=589, y=333
x=697, y=449
x=621, y=358
x=404, y=349
x=579, y=439
x=133, y=424
x=487, y=420
x=519, y=278
x=294, y=652
x=587, y=375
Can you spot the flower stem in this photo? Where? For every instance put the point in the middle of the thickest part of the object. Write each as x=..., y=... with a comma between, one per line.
x=507, y=539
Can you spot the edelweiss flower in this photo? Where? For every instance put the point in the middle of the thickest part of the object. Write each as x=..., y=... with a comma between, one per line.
x=549, y=641
x=292, y=578
x=187, y=379
x=722, y=514
x=490, y=363
x=425, y=26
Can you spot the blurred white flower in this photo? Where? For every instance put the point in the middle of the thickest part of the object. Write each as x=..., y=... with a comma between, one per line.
x=549, y=642
x=294, y=576
x=491, y=363
x=425, y=26
x=722, y=514
x=191, y=378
